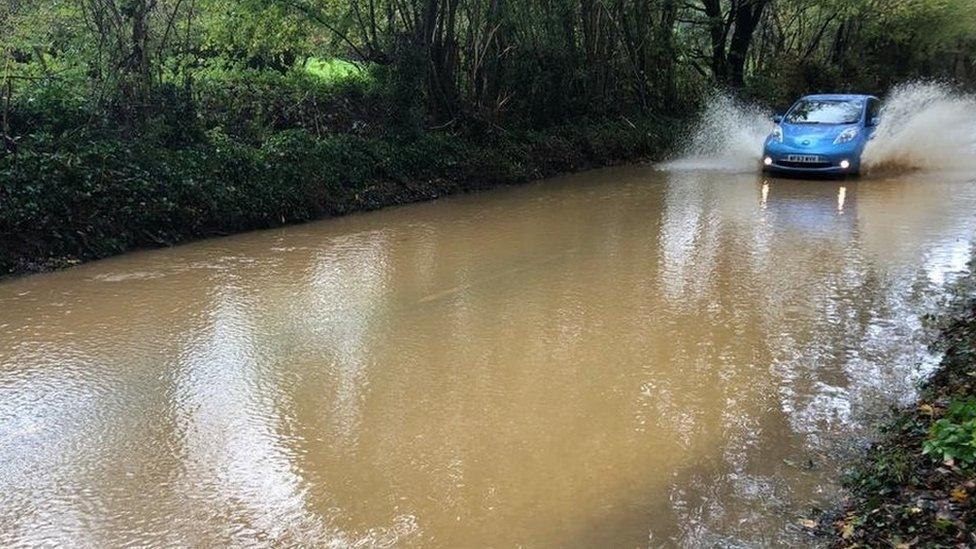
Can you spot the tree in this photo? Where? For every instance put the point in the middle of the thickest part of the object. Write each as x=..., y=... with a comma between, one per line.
x=731, y=26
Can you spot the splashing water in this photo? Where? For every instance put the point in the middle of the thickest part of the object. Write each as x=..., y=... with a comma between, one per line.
x=924, y=126
x=729, y=136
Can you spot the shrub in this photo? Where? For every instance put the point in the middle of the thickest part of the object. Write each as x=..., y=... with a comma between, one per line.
x=954, y=436
x=255, y=104
x=95, y=190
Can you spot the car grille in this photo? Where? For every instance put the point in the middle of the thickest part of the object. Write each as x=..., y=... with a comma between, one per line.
x=788, y=164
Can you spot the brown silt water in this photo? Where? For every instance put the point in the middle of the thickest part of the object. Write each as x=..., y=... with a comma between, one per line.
x=625, y=357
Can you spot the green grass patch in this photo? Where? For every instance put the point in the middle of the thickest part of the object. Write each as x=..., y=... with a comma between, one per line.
x=336, y=70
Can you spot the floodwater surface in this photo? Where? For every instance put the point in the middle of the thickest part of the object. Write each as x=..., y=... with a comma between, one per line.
x=625, y=357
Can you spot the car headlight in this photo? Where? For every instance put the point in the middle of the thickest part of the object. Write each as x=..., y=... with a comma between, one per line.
x=777, y=135
x=845, y=136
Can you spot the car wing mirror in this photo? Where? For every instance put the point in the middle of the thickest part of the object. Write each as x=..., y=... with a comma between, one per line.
x=777, y=118
x=874, y=121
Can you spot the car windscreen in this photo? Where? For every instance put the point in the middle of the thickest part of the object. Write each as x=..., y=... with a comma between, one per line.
x=818, y=111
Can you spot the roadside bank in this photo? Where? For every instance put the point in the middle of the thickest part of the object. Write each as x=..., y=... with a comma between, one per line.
x=66, y=201
x=916, y=486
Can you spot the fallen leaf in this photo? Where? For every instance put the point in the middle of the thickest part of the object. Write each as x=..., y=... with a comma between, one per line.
x=847, y=531
x=926, y=409
x=959, y=494
x=807, y=523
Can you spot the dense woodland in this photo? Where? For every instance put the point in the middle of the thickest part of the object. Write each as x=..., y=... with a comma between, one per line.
x=129, y=123
x=437, y=63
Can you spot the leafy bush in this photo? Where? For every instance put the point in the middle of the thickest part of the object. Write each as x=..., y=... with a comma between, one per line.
x=96, y=192
x=52, y=106
x=954, y=436
x=255, y=104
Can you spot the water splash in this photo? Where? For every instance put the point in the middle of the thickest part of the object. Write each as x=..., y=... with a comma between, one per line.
x=729, y=136
x=924, y=126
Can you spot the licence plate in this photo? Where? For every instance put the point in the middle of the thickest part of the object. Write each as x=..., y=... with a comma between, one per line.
x=805, y=158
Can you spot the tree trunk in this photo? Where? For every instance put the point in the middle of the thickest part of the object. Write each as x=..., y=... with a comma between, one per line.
x=717, y=30
x=747, y=17
x=666, y=52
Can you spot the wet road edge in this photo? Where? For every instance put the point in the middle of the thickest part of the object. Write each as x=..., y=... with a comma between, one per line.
x=916, y=483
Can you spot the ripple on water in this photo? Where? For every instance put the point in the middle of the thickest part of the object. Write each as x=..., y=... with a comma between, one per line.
x=612, y=357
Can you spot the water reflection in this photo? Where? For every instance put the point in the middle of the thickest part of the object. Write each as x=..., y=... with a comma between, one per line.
x=618, y=358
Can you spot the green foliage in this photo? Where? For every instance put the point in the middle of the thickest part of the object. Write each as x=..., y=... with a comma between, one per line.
x=861, y=45
x=51, y=106
x=335, y=71
x=85, y=192
x=258, y=33
x=477, y=63
x=403, y=88
x=255, y=104
x=954, y=436
x=891, y=465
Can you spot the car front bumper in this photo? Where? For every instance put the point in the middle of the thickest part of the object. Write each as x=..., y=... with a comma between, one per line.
x=776, y=159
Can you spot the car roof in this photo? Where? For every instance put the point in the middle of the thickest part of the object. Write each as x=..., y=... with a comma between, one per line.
x=838, y=96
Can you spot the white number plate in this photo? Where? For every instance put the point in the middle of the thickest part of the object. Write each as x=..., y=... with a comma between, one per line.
x=806, y=158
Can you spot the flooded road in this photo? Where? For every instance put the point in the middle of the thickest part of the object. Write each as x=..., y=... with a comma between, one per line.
x=625, y=357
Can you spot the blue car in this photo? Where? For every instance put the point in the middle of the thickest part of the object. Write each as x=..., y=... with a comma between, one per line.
x=822, y=134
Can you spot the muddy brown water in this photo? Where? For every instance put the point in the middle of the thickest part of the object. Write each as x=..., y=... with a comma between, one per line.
x=625, y=357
